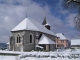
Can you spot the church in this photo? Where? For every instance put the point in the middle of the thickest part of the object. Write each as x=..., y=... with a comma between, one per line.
x=30, y=35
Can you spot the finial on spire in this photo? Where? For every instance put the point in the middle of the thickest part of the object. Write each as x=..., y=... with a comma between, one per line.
x=45, y=12
x=44, y=22
x=26, y=15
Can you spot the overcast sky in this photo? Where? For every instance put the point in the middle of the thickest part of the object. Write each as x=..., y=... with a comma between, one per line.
x=13, y=12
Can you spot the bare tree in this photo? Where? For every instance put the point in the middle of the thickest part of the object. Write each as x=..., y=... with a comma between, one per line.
x=73, y=5
x=77, y=22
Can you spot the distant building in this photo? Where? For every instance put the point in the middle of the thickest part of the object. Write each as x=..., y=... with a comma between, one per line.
x=75, y=43
x=30, y=35
x=61, y=41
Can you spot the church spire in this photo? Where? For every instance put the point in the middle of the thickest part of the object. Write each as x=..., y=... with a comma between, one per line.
x=45, y=23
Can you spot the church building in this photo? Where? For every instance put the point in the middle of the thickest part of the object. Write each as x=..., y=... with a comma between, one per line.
x=30, y=35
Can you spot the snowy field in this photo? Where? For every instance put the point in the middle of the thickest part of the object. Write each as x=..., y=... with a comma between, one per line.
x=32, y=58
x=34, y=55
x=7, y=58
x=28, y=58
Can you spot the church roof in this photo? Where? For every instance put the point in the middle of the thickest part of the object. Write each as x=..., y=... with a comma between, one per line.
x=28, y=24
x=45, y=40
x=62, y=37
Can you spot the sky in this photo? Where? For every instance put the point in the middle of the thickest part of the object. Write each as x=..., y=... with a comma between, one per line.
x=12, y=12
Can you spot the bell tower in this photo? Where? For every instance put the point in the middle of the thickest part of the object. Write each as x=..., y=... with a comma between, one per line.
x=45, y=23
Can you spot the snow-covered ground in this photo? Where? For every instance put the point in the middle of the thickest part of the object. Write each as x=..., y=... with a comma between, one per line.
x=67, y=54
x=49, y=59
x=7, y=57
x=32, y=58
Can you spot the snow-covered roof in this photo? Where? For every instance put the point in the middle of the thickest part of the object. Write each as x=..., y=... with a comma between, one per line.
x=10, y=52
x=45, y=40
x=39, y=46
x=28, y=24
x=62, y=37
x=75, y=41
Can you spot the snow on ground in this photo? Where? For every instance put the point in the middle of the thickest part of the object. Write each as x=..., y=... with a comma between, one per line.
x=37, y=55
x=49, y=59
x=31, y=58
x=8, y=58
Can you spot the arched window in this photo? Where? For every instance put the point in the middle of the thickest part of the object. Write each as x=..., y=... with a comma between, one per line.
x=18, y=39
x=30, y=38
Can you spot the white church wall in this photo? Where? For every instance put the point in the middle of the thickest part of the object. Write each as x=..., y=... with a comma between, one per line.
x=17, y=46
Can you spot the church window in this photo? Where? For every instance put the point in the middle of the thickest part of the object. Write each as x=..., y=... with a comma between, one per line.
x=30, y=38
x=18, y=39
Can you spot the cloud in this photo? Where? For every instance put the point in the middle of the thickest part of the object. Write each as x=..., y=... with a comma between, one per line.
x=13, y=12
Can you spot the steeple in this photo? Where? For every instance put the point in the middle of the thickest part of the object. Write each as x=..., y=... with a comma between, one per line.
x=45, y=23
